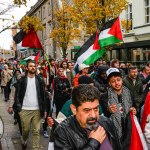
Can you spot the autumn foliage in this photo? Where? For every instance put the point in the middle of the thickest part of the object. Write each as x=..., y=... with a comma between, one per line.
x=32, y=22
x=20, y=2
x=64, y=30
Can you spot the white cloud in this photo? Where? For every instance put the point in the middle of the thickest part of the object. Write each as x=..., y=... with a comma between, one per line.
x=18, y=13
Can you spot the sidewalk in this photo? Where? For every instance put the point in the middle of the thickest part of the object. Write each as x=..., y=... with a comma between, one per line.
x=11, y=138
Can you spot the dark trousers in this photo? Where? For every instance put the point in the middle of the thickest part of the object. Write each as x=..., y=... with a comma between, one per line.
x=6, y=93
x=17, y=117
x=45, y=124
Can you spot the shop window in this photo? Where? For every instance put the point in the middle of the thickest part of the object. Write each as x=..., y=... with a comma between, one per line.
x=147, y=11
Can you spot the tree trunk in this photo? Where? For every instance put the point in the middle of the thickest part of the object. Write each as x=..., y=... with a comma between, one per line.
x=64, y=50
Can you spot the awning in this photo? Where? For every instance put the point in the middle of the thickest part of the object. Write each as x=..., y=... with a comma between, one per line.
x=137, y=44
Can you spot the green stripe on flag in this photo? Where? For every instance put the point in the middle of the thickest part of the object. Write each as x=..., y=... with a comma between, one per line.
x=109, y=41
x=94, y=56
x=23, y=62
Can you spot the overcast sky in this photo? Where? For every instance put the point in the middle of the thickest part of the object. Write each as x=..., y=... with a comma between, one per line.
x=18, y=13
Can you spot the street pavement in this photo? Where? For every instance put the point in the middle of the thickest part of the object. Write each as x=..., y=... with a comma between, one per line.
x=11, y=138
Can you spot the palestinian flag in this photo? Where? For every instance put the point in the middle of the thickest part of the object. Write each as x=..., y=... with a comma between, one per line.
x=137, y=141
x=35, y=58
x=111, y=33
x=27, y=40
x=146, y=112
x=90, y=51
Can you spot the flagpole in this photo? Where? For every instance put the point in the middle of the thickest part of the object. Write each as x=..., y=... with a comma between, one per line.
x=46, y=56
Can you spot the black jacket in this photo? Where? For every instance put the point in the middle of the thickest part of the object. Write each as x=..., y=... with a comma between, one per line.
x=101, y=84
x=135, y=90
x=69, y=135
x=21, y=90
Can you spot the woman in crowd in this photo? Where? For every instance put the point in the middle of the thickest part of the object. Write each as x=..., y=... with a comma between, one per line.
x=62, y=90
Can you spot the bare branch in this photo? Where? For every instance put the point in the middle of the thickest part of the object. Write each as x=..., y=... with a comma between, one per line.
x=7, y=9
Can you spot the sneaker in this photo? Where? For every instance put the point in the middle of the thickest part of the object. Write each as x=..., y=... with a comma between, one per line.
x=46, y=134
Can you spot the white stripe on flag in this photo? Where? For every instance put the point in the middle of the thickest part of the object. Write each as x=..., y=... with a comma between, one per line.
x=86, y=55
x=104, y=34
x=30, y=57
x=140, y=133
x=19, y=46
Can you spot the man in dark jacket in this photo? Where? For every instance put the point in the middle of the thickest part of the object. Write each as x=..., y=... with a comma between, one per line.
x=30, y=96
x=134, y=84
x=101, y=79
x=86, y=130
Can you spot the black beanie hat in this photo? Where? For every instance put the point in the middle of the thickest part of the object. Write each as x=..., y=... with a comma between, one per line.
x=101, y=69
x=85, y=80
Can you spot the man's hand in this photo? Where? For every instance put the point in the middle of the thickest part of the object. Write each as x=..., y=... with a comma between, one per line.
x=50, y=121
x=10, y=110
x=99, y=134
x=133, y=110
x=112, y=108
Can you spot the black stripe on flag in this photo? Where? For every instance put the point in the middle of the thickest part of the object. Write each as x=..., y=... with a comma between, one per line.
x=108, y=24
x=85, y=46
x=19, y=37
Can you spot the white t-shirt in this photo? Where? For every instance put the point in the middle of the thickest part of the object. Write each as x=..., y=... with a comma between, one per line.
x=30, y=101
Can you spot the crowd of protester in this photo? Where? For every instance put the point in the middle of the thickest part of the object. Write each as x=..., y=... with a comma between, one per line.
x=34, y=91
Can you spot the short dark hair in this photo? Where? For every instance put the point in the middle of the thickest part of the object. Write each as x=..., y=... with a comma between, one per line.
x=30, y=61
x=132, y=68
x=84, y=93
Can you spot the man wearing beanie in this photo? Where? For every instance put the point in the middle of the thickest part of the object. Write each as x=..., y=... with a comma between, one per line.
x=83, y=70
x=101, y=79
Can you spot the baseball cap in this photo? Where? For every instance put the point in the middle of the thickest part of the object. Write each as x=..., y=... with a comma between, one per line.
x=83, y=66
x=112, y=72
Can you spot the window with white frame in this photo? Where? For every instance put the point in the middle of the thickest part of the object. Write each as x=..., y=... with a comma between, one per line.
x=147, y=11
x=129, y=14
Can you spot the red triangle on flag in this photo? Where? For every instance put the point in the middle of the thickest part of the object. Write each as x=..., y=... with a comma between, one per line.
x=115, y=30
x=37, y=57
x=96, y=45
x=31, y=40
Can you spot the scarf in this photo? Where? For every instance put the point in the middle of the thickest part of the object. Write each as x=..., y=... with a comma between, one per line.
x=122, y=108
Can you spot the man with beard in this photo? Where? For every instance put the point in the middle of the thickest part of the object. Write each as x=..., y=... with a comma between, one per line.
x=30, y=100
x=116, y=102
x=86, y=130
x=134, y=84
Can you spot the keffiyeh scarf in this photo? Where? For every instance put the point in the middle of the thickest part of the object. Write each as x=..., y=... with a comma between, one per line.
x=122, y=108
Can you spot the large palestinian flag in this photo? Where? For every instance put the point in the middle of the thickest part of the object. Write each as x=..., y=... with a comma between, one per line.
x=27, y=40
x=90, y=51
x=110, y=33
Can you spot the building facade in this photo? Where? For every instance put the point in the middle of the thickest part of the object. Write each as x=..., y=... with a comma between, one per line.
x=136, y=46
